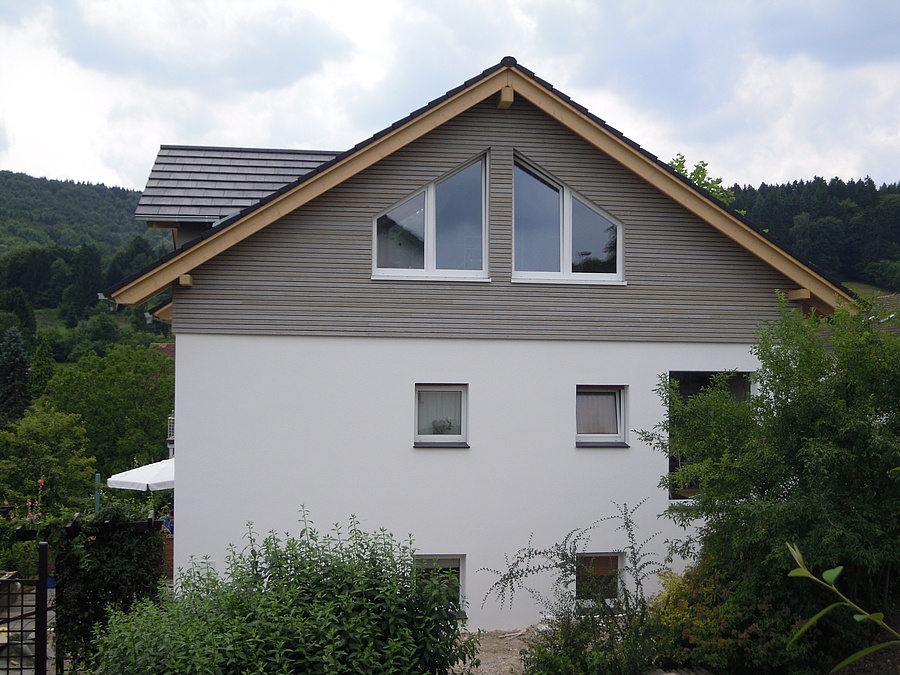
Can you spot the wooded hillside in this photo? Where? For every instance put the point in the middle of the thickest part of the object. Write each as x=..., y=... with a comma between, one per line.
x=850, y=231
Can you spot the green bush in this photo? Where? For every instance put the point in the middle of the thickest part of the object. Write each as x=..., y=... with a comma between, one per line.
x=103, y=562
x=726, y=620
x=339, y=603
x=594, y=634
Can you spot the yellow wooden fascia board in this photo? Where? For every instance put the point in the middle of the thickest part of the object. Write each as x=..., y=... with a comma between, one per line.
x=148, y=285
x=164, y=313
x=665, y=182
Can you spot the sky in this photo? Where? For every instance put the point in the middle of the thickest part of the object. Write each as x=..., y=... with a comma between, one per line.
x=764, y=91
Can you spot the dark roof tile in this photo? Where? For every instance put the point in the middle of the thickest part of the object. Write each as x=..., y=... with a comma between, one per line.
x=210, y=183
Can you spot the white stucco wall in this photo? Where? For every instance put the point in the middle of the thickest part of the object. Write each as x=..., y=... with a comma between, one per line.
x=267, y=424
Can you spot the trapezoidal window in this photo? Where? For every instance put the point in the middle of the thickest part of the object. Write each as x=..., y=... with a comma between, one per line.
x=437, y=232
x=559, y=235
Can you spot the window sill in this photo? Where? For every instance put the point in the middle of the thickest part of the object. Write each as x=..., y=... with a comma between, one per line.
x=382, y=276
x=560, y=279
x=441, y=444
x=601, y=444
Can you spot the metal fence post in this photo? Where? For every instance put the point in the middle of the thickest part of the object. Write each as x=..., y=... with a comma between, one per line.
x=40, y=615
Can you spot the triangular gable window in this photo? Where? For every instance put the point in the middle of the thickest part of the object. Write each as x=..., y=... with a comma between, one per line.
x=559, y=235
x=437, y=232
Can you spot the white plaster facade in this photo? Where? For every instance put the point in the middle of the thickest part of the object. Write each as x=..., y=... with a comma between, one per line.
x=266, y=425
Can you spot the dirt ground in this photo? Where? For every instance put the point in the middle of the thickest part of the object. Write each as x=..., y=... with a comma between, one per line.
x=499, y=652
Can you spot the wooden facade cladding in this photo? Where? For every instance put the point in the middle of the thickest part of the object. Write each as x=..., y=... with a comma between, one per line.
x=310, y=272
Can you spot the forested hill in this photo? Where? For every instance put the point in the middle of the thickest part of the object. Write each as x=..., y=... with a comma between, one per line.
x=42, y=211
x=849, y=230
x=61, y=242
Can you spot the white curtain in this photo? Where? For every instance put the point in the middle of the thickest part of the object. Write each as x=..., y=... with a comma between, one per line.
x=440, y=412
x=596, y=412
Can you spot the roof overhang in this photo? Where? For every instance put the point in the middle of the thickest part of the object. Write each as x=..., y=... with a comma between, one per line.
x=507, y=80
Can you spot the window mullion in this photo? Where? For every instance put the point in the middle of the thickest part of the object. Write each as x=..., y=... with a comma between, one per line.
x=565, y=224
x=430, y=229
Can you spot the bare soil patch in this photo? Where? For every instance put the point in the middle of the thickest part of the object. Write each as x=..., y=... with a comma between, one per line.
x=499, y=651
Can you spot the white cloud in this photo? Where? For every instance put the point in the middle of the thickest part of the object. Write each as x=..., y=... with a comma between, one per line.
x=89, y=90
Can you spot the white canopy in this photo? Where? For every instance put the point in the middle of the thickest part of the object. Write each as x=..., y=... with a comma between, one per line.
x=156, y=476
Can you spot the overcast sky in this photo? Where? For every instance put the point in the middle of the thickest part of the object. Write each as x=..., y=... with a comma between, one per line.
x=763, y=91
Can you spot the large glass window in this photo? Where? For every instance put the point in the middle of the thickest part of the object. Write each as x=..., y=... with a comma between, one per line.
x=559, y=235
x=439, y=231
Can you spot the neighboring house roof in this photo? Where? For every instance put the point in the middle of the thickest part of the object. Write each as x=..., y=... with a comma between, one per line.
x=204, y=184
x=505, y=81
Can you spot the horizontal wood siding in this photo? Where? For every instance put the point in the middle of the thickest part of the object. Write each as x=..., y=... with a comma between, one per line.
x=310, y=272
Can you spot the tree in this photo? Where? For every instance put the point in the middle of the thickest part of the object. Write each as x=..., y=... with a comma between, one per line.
x=14, y=362
x=45, y=460
x=806, y=459
x=124, y=399
x=15, y=300
x=42, y=368
x=819, y=241
x=700, y=177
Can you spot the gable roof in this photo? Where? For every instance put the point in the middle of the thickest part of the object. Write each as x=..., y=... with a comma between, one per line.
x=205, y=184
x=504, y=80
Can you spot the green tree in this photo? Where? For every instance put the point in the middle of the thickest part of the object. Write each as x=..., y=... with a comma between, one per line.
x=14, y=362
x=87, y=281
x=700, y=177
x=42, y=368
x=124, y=399
x=16, y=301
x=806, y=459
x=45, y=460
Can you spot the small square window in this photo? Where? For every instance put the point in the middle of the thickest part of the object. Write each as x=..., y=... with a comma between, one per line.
x=596, y=575
x=599, y=416
x=441, y=416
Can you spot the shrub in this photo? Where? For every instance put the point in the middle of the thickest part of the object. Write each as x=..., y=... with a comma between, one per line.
x=593, y=634
x=338, y=603
x=102, y=562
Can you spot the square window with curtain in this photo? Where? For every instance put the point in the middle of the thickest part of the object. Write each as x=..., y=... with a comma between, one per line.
x=441, y=418
x=596, y=575
x=690, y=383
x=600, y=416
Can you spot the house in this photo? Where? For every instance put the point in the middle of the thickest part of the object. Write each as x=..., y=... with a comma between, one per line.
x=450, y=330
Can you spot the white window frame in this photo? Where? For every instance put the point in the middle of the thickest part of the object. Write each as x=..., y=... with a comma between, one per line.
x=431, y=271
x=459, y=440
x=618, y=440
x=566, y=275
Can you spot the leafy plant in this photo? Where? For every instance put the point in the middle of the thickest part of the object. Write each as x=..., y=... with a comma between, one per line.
x=591, y=634
x=103, y=562
x=349, y=602
x=806, y=458
x=828, y=580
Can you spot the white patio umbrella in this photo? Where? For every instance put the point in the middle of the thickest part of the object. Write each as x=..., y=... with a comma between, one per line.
x=156, y=476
